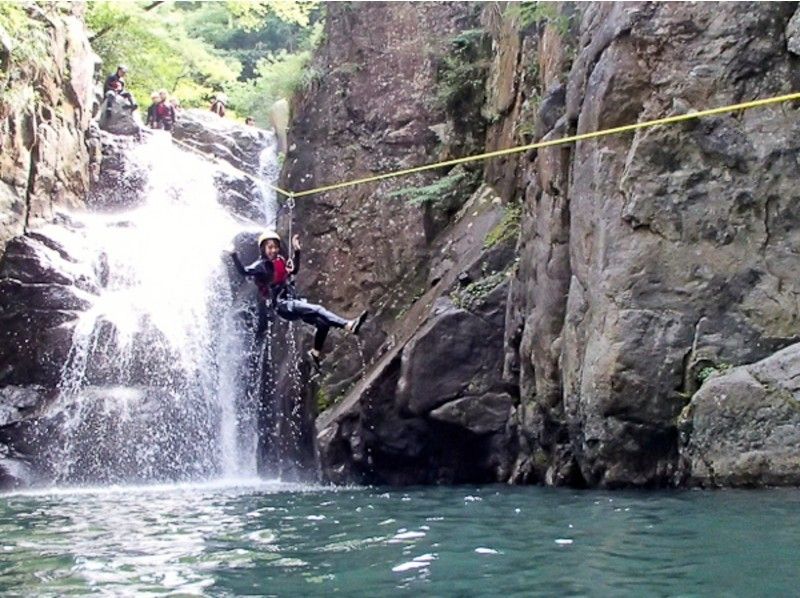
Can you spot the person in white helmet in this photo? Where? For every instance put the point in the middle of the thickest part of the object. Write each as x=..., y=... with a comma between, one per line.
x=273, y=274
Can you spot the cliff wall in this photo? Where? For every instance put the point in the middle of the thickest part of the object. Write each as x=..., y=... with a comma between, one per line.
x=646, y=258
x=643, y=261
x=47, y=70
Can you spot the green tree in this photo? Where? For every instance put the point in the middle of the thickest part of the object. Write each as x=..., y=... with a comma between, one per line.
x=214, y=23
x=23, y=51
x=158, y=51
x=254, y=51
x=250, y=15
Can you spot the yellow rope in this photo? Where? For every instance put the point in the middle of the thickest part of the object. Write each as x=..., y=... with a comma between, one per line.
x=564, y=140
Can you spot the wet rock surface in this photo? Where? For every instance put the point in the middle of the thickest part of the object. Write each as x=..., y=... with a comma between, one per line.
x=44, y=286
x=237, y=149
x=232, y=142
x=118, y=182
x=118, y=117
x=49, y=278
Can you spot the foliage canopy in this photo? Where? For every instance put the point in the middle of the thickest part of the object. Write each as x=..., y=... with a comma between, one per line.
x=255, y=52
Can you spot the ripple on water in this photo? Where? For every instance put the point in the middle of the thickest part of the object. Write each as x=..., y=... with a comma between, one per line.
x=403, y=535
x=262, y=536
x=237, y=542
x=420, y=562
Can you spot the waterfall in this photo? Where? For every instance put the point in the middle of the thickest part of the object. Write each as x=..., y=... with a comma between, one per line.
x=158, y=383
x=268, y=171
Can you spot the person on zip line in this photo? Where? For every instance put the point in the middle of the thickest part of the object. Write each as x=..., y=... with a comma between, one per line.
x=273, y=274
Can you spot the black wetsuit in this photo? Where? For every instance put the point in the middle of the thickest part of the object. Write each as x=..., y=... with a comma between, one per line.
x=151, y=115
x=275, y=286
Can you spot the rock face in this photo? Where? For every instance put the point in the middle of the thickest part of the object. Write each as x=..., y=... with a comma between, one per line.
x=118, y=118
x=204, y=131
x=44, y=288
x=742, y=428
x=370, y=110
x=45, y=110
x=433, y=407
x=545, y=317
x=646, y=257
x=642, y=258
x=382, y=246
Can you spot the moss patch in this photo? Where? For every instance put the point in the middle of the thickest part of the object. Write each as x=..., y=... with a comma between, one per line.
x=507, y=228
x=472, y=295
x=709, y=371
x=447, y=191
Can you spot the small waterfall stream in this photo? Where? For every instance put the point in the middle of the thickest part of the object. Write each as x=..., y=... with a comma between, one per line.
x=159, y=385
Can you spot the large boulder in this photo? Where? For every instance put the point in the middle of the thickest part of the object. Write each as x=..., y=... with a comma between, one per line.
x=742, y=428
x=119, y=182
x=432, y=408
x=455, y=352
x=480, y=414
x=17, y=402
x=119, y=117
x=46, y=282
x=237, y=144
x=242, y=193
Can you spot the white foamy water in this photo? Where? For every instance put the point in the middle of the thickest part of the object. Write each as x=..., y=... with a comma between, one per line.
x=269, y=170
x=155, y=385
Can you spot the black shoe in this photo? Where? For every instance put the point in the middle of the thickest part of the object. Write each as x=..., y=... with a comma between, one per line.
x=359, y=322
x=316, y=360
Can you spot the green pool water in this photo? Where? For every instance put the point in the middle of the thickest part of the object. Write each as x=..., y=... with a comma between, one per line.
x=275, y=539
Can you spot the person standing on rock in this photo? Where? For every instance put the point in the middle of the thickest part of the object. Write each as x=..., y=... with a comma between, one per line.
x=151, y=110
x=273, y=275
x=115, y=86
x=165, y=113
